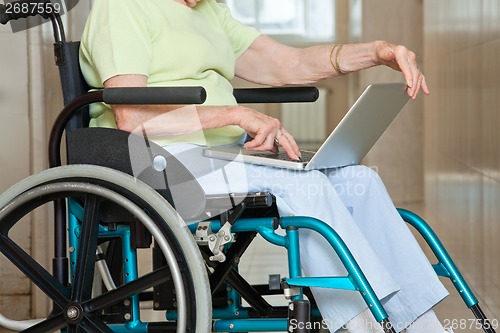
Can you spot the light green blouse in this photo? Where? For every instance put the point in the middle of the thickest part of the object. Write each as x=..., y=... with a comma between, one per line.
x=173, y=45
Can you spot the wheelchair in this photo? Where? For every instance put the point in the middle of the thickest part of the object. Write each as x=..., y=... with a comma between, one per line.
x=113, y=204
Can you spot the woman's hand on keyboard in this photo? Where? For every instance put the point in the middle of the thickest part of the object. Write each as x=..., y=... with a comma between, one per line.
x=268, y=133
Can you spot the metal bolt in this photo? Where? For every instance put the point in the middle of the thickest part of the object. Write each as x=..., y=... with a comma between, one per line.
x=212, y=238
x=231, y=326
x=72, y=312
x=236, y=313
x=126, y=302
x=71, y=249
x=127, y=316
x=157, y=305
x=227, y=238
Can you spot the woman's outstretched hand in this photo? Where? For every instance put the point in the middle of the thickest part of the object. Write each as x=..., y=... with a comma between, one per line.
x=398, y=57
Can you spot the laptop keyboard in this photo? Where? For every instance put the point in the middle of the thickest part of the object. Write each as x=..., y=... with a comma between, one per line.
x=283, y=156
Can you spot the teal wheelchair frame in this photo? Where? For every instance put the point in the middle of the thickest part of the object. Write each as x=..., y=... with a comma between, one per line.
x=196, y=292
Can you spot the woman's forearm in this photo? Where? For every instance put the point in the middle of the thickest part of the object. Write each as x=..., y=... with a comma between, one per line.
x=160, y=120
x=169, y=119
x=325, y=61
x=269, y=62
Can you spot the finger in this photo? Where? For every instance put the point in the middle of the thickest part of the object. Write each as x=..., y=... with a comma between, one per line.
x=259, y=138
x=270, y=144
x=287, y=141
x=416, y=78
x=419, y=85
x=415, y=73
x=262, y=145
x=425, y=88
x=404, y=61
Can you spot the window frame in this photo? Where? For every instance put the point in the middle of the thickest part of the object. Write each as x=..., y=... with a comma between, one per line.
x=292, y=38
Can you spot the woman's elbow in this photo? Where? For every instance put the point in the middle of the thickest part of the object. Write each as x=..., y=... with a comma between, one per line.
x=122, y=118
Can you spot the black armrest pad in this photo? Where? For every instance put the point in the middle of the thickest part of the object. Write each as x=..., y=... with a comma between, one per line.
x=276, y=95
x=154, y=95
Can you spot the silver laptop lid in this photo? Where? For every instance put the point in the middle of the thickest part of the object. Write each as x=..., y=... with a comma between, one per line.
x=362, y=126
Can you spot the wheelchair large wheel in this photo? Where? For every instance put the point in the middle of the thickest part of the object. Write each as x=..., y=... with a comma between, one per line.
x=77, y=306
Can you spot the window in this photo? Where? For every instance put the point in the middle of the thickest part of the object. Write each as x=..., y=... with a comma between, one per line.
x=288, y=20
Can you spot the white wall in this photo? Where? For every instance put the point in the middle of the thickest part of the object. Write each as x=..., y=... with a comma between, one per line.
x=14, y=155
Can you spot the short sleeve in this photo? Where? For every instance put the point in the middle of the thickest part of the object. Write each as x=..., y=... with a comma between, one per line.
x=240, y=35
x=116, y=40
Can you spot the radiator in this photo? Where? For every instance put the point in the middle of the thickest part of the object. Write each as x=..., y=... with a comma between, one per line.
x=306, y=121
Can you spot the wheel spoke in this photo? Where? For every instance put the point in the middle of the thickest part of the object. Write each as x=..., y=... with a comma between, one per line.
x=132, y=288
x=50, y=325
x=34, y=271
x=84, y=271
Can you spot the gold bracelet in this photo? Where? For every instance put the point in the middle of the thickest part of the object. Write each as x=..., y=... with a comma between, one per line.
x=337, y=56
x=335, y=64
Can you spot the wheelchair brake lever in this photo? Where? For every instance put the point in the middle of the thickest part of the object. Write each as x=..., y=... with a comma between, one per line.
x=224, y=235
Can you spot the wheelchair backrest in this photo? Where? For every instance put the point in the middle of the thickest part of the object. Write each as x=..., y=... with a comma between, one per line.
x=72, y=82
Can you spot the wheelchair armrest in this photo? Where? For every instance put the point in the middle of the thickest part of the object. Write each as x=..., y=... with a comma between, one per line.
x=276, y=95
x=154, y=95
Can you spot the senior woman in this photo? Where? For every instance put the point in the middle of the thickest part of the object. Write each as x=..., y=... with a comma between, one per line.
x=130, y=43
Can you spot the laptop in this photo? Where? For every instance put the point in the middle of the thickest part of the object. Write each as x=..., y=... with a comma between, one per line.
x=348, y=143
